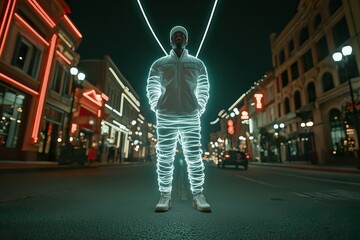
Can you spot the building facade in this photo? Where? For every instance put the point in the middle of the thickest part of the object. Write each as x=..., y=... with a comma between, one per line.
x=43, y=106
x=308, y=101
x=124, y=129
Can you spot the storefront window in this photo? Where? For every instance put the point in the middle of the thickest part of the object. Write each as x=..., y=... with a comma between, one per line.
x=337, y=130
x=11, y=108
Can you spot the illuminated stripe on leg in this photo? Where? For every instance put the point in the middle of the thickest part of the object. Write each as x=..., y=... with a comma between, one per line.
x=169, y=127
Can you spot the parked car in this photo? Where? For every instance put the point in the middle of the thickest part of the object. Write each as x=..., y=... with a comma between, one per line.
x=234, y=157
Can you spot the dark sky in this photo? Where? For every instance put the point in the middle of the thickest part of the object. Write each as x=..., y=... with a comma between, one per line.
x=236, y=50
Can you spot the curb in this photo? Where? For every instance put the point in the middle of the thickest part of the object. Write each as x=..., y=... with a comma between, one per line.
x=311, y=168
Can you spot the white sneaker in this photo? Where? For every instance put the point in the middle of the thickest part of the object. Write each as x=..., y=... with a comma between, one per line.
x=163, y=204
x=200, y=203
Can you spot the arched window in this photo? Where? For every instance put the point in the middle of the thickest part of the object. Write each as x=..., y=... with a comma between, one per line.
x=291, y=45
x=282, y=57
x=304, y=35
x=334, y=5
x=327, y=82
x=297, y=100
x=336, y=129
x=311, y=92
x=287, y=105
x=317, y=21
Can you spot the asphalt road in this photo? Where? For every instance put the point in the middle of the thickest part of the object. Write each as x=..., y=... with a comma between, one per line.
x=117, y=202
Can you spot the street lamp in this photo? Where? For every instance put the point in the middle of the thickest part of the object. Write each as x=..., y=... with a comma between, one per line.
x=342, y=59
x=77, y=79
x=278, y=128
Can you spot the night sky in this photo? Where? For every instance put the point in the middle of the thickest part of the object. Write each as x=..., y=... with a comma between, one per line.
x=236, y=50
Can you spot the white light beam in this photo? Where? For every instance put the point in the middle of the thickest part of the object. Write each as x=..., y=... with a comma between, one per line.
x=207, y=28
x=152, y=31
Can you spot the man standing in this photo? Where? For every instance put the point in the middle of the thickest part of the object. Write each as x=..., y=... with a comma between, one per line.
x=178, y=91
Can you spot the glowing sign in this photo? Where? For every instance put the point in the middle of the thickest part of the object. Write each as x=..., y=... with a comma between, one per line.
x=258, y=99
x=230, y=129
x=244, y=115
x=73, y=127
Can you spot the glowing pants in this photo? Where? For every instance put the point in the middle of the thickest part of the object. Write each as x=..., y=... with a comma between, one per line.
x=186, y=129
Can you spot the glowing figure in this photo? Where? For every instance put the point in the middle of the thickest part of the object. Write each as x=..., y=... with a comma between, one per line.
x=178, y=91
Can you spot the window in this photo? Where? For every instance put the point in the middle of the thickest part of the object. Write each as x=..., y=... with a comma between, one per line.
x=337, y=130
x=304, y=35
x=271, y=93
x=11, y=109
x=297, y=100
x=308, y=61
x=311, y=92
x=287, y=105
x=57, y=79
x=317, y=21
x=291, y=45
x=284, y=78
x=66, y=90
x=327, y=82
x=26, y=57
x=279, y=110
x=322, y=48
x=282, y=57
x=294, y=71
x=334, y=5
x=340, y=32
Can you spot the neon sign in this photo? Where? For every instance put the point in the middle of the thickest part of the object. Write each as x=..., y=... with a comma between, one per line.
x=258, y=99
x=230, y=124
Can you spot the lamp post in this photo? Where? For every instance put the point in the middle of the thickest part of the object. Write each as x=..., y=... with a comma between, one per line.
x=308, y=141
x=342, y=59
x=277, y=128
x=77, y=79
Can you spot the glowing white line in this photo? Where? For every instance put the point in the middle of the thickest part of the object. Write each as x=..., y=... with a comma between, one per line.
x=147, y=21
x=207, y=28
x=202, y=41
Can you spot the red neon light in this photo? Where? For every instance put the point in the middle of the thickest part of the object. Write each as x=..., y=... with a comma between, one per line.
x=73, y=127
x=43, y=88
x=104, y=96
x=4, y=20
x=42, y=13
x=7, y=27
x=63, y=57
x=230, y=124
x=258, y=101
x=72, y=26
x=26, y=25
x=17, y=84
x=92, y=96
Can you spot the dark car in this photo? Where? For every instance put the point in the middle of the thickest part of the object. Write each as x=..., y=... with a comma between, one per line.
x=234, y=157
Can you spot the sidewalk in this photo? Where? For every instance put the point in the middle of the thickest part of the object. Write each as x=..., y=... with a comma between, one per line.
x=23, y=166
x=307, y=166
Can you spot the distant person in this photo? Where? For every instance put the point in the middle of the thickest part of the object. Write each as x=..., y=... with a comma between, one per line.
x=178, y=91
x=92, y=154
x=111, y=154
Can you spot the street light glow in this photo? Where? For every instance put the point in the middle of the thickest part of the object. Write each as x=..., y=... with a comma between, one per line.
x=347, y=50
x=337, y=56
x=74, y=71
x=81, y=76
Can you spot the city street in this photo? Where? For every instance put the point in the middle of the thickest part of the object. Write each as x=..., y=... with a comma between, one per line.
x=117, y=202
